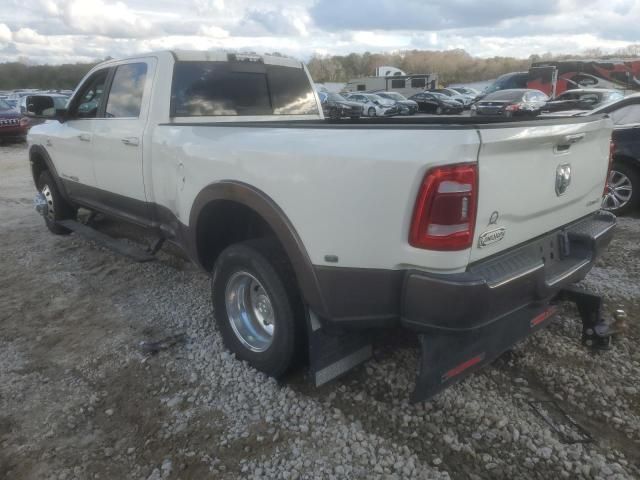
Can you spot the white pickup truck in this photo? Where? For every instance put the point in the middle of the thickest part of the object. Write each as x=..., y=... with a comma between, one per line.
x=317, y=233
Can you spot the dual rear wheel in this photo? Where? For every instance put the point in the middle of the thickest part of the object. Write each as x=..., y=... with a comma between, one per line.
x=255, y=306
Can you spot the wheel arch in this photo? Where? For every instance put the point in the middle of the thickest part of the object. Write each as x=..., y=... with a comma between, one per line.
x=628, y=160
x=216, y=201
x=40, y=161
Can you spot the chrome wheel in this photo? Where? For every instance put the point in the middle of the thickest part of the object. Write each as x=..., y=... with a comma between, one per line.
x=250, y=311
x=51, y=212
x=618, y=192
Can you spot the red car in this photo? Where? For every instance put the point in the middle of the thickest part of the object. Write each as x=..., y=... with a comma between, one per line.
x=13, y=125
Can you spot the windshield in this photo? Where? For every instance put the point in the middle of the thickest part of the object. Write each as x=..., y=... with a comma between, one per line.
x=393, y=96
x=439, y=95
x=336, y=97
x=505, y=95
x=4, y=105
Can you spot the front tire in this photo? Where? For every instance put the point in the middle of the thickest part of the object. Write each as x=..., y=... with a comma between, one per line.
x=57, y=207
x=371, y=112
x=255, y=306
x=622, y=194
x=439, y=111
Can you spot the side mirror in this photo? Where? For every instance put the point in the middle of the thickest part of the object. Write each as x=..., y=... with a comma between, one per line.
x=42, y=106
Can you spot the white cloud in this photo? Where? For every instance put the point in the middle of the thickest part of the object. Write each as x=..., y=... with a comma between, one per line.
x=27, y=35
x=50, y=31
x=49, y=6
x=213, y=31
x=5, y=34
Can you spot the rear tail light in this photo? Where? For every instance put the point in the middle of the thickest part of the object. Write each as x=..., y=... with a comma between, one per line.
x=445, y=210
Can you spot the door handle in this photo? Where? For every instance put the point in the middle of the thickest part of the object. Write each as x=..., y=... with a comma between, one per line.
x=565, y=143
x=133, y=141
x=84, y=137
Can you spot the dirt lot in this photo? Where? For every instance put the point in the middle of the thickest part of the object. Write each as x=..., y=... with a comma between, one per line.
x=79, y=399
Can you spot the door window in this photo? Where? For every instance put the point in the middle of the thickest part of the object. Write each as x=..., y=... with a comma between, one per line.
x=90, y=96
x=125, y=96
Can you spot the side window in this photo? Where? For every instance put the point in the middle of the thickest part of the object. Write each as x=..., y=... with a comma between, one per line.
x=396, y=83
x=418, y=83
x=125, y=96
x=291, y=92
x=225, y=88
x=362, y=88
x=87, y=103
x=627, y=115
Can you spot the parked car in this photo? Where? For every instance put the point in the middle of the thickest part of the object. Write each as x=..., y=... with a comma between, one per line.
x=13, y=126
x=582, y=99
x=374, y=105
x=335, y=106
x=511, y=103
x=407, y=107
x=622, y=194
x=508, y=81
x=433, y=102
x=465, y=100
x=315, y=234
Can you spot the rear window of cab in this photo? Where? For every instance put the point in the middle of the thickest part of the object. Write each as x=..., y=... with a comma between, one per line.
x=207, y=88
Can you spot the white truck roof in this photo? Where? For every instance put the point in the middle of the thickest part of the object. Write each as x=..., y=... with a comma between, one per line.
x=215, y=56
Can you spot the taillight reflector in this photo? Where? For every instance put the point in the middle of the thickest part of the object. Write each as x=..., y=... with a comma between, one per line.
x=538, y=319
x=445, y=210
x=455, y=371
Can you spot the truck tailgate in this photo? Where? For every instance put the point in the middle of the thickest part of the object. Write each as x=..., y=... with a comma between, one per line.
x=536, y=178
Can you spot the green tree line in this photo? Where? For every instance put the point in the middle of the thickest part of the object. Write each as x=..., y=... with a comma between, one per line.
x=19, y=75
x=453, y=66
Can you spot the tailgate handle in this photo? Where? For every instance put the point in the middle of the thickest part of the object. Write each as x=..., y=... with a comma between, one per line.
x=567, y=141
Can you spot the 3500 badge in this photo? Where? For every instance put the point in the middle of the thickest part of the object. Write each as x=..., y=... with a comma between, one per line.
x=492, y=236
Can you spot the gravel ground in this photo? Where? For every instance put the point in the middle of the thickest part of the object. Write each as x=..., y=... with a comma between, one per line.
x=79, y=399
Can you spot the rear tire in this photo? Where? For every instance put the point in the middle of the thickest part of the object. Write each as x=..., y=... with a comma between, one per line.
x=371, y=112
x=256, y=306
x=58, y=207
x=623, y=189
x=439, y=111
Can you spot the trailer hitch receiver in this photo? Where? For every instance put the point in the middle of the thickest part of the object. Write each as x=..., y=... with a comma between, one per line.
x=597, y=332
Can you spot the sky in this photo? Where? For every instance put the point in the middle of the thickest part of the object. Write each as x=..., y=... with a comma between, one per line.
x=62, y=31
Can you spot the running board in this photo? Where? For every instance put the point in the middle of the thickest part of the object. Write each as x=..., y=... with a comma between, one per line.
x=115, y=245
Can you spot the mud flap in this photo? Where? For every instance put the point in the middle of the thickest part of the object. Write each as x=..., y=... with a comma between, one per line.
x=334, y=354
x=445, y=359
